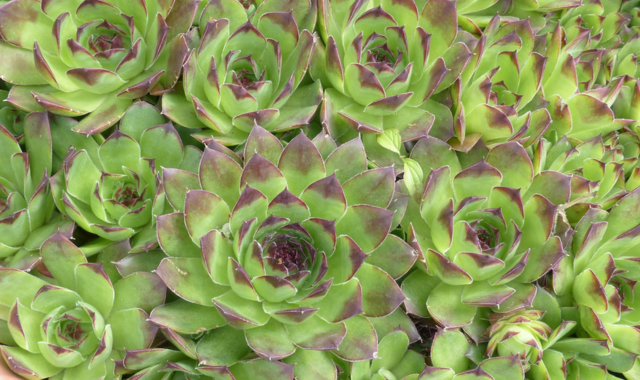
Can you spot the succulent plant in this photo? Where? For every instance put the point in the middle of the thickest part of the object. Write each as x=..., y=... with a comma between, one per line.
x=518, y=333
x=27, y=215
x=93, y=56
x=328, y=189
x=493, y=99
x=380, y=63
x=245, y=72
x=483, y=233
x=114, y=190
x=71, y=324
x=600, y=273
x=285, y=251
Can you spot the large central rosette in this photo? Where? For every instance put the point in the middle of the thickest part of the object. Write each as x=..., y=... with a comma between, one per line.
x=485, y=232
x=92, y=57
x=247, y=72
x=291, y=251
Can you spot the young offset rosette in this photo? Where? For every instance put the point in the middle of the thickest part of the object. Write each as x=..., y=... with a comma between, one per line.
x=27, y=215
x=484, y=232
x=579, y=107
x=289, y=251
x=92, y=57
x=381, y=61
x=113, y=190
x=602, y=170
x=600, y=274
x=245, y=72
x=518, y=333
x=75, y=323
x=496, y=95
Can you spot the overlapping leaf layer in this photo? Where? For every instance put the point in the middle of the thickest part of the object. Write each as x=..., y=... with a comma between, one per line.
x=320, y=189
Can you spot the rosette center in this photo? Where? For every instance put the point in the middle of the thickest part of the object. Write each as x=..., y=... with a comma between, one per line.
x=289, y=253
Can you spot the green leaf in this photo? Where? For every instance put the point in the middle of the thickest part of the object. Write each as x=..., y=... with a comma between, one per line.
x=131, y=329
x=188, y=279
x=391, y=349
x=325, y=198
x=94, y=286
x=174, y=238
x=380, y=293
x=373, y=187
x=347, y=160
x=317, y=334
x=312, y=365
x=416, y=287
x=119, y=151
x=503, y=368
x=449, y=350
x=186, y=318
x=367, y=225
x=261, y=370
x=301, y=164
x=51, y=297
x=223, y=346
x=270, y=341
x=239, y=312
x=445, y=306
x=25, y=326
x=204, y=211
x=264, y=143
x=360, y=343
x=176, y=184
x=28, y=364
x=140, y=117
x=61, y=257
x=512, y=161
x=260, y=174
x=59, y=356
x=130, y=290
x=18, y=285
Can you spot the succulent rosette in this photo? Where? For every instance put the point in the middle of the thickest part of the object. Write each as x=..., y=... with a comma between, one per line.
x=494, y=100
x=246, y=72
x=27, y=215
x=92, y=57
x=72, y=324
x=539, y=12
x=518, y=333
x=604, y=21
x=600, y=274
x=580, y=107
x=286, y=252
x=570, y=357
x=380, y=63
x=602, y=170
x=113, y=190
x=484, y=233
